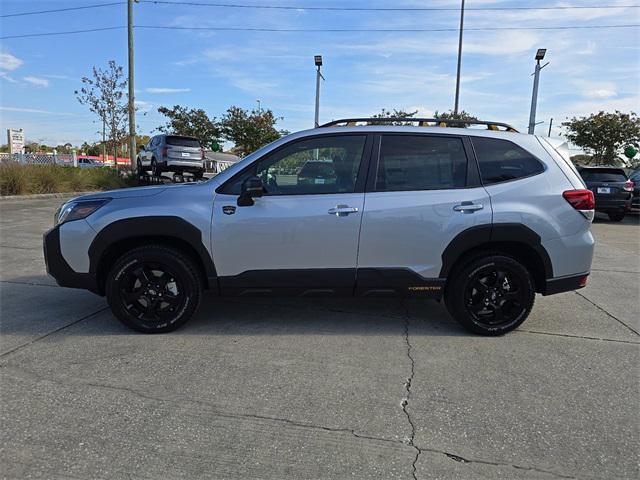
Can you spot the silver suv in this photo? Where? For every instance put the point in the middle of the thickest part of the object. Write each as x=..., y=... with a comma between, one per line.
x=484, y=218
x=171, y=153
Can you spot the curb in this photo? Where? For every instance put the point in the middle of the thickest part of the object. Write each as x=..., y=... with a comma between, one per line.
x=44, y=195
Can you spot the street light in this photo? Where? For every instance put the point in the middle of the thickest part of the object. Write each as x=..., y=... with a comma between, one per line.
x=534, y=96
x=318, y=61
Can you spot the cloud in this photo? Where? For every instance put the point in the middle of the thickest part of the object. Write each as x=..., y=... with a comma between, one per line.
x=600, y=93
x=166, y=90
x=39, y=82
x=9, y=62
x=143, y=106
x=7, y=77
x=25, y=110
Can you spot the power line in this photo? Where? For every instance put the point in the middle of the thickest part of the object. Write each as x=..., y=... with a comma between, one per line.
x=38, y=12
x=70, y=32
x=320, y=30
x=379, y=9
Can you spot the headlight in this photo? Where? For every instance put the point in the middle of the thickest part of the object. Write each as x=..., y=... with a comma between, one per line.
x=77, y=210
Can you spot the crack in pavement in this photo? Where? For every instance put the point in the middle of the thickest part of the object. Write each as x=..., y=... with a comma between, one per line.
x=568, y=335
x=214, y=409
x=405, y=401
x=37, y=339
x=607, y=313
x=13, y=282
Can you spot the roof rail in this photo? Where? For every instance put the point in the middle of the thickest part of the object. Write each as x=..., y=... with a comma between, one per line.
x=422, y=122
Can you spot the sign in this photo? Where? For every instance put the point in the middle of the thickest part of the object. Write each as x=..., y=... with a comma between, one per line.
x=16, y=140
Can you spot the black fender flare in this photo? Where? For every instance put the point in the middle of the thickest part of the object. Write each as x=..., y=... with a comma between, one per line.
x=152, y=226
x=487, y=234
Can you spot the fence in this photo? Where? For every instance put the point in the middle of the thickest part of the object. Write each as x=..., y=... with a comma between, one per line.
x=38, y=158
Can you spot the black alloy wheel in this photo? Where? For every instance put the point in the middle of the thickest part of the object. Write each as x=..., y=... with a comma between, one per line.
x=154, y=289
x=491, y=295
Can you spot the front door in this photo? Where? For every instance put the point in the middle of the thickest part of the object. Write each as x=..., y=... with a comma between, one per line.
x=301, y=236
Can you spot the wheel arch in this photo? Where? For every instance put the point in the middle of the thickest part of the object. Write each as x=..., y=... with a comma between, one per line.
x=515, y=240
x=121, y=236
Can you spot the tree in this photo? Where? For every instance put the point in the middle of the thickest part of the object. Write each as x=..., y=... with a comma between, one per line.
x=250, y=130
x=393, y=114
x=104, y=94
x=451, y=115
x=603, y=135
x=581, y=159
x=92, y=149
x=192, y=123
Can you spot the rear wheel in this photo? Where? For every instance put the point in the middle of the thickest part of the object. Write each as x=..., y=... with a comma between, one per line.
x=491, y=295
x=616, y=217
x=155, y=169
x=153, y=289
x=198, y=175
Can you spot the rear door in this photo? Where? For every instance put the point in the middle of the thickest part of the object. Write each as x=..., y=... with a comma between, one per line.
x=422, y=191
x=186, y=149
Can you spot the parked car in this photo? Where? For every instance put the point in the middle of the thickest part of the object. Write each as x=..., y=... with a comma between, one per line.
x=483, y=219
x=635, y=200
x=84, y=162
x=172, y=153
x=612, y=190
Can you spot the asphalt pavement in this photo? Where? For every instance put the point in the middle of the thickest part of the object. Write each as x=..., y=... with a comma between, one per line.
x=316, y=388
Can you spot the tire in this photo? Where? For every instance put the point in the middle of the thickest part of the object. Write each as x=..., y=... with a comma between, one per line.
x=616, y=217
x=154, y=289
x=141, y=171
x=480, y=300
x=155, y=170
x=198, y=175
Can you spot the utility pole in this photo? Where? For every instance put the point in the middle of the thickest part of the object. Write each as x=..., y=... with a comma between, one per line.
x=455, y=106
x=550, y=124
x=104, y=141
x=534, y=96
x=318, y=61
x=132, y=110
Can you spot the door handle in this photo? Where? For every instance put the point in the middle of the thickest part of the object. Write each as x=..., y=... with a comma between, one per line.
x=342, y=210
x=468, y=207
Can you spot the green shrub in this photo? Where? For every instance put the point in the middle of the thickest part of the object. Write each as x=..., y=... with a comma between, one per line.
x=17, y=179
x=13, y=180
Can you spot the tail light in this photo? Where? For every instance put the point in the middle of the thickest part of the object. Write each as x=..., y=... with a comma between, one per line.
x=202, y=153
x=581, y=200
x=628, y=186
x=165, y=151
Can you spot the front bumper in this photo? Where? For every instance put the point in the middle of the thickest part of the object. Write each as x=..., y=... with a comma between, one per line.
x=60, y=270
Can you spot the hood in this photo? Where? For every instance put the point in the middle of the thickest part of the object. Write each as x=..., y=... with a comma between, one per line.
x=135, y=192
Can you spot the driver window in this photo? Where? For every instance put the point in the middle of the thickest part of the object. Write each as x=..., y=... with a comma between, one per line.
x=317, y=166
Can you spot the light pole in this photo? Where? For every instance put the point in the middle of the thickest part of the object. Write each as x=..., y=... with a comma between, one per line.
x=318, y=62
x=455, y=106
x=259, y=106
x=132, y=109
x=534, y=96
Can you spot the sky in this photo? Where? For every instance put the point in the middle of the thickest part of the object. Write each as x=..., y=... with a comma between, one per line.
x=589, y=69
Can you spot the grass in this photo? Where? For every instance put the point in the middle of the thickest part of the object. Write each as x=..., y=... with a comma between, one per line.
x=17, y=179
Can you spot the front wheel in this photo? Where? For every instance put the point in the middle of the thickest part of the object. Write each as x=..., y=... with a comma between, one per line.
x=491, y=295
x=616, y=217
x=154, y=289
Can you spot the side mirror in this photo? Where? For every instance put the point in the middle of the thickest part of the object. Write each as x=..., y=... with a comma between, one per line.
x=251, y=188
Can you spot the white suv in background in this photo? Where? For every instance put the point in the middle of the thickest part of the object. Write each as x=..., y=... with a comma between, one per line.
x=172, y=153
x=484, y=218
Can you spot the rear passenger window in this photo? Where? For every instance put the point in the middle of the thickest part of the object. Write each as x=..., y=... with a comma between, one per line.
x=420, y=162
x=501, y=160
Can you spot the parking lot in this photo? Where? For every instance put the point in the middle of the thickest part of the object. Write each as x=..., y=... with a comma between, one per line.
x=316, y=388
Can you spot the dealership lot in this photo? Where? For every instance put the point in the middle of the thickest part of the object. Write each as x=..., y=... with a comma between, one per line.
x=296, y=388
